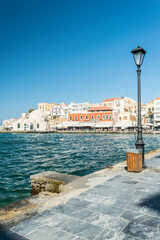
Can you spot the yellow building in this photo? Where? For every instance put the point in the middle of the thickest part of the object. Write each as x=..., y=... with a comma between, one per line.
x=46, y=107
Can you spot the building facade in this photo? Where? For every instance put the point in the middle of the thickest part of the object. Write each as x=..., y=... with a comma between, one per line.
x=46, y=107
x=125, y=110
x=92, y=114
x=60, y=110
x=36, y=121
x=157, y=111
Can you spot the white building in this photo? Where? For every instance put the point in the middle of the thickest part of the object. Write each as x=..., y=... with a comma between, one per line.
x=157, y=111
x=35, y=122
x=81, y=107
x=60, y=110
x=8, y=123
x=125, y=109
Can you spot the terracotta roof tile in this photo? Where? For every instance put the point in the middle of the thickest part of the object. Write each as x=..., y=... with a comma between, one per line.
x=99, y=109
x=112, y=99
x=157, y=98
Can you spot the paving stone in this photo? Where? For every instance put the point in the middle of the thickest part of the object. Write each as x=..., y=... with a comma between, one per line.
x=81, y=228
x=93, y=197
x=130, y=198
x=129, y=190
x=142, y=231
x=120, y=203
x=109, y=210
x=52, y=220
x=94, y=191
x=150, y=211
x=152, y=221
x=107, y=221
x=134, y=206
x=115, y=236
x=50, y=233
x=79, y=214
x=79, y=202
x=133, y=216
x=26, y=227
x=114, y=179
x=10, y=235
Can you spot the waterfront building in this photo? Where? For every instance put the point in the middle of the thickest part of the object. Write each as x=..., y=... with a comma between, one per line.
x=150, y=114
x=8, y=124
x=36, y=121
x=60, y=110
x=95, y=117
x=57, y=122
x=124, y=109
x=92, y=114
x=81, y=107
x=46, y=107
x=157, y=112
x=143, y=114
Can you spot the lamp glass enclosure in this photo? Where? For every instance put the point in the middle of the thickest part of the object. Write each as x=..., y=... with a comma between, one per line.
x=138, y=55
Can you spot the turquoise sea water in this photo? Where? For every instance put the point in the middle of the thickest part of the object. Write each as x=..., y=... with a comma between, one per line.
x=22, y=155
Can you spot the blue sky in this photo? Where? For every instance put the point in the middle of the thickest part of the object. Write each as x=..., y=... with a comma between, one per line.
x=76, y=50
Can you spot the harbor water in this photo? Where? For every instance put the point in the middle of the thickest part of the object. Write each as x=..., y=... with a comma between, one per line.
x=22, y=155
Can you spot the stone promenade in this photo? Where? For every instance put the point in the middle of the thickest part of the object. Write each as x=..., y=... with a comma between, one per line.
x=125, y=206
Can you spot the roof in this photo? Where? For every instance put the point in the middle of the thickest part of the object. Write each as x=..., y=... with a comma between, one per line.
x=112, y=99
x=99, y=109
x=151, y=102
x=142, y=104
x=157, y=98
x=54, y=103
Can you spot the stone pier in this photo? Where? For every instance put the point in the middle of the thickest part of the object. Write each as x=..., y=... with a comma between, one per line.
x=109, y=204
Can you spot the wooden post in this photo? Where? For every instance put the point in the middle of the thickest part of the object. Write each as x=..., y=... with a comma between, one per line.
x=134, y=160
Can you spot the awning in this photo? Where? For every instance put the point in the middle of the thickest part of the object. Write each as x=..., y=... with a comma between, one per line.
x=125, y=124
x=85, y=124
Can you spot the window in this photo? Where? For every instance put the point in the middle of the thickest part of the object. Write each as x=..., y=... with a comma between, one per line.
x=86, y=117
x=37, y=125
x=106, y=117
x=81, y=117
x=157, y=103
x=110, y=117
x=97, y=117
x=92, y=117
x=70, y=118
x=75, y=118
x=18, y=125
x=125, y=118
x=103, y=117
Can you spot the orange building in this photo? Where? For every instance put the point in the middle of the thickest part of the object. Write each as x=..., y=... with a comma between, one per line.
x=95, y=113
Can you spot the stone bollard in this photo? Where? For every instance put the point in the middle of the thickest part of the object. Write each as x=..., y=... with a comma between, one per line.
x=50, y=182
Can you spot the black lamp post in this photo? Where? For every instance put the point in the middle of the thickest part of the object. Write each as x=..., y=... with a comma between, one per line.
x=138, y=55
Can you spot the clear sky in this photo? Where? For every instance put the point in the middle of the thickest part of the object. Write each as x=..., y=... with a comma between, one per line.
x=75, y=50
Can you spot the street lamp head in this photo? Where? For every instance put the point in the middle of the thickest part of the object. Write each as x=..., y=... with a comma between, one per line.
x=138, y=55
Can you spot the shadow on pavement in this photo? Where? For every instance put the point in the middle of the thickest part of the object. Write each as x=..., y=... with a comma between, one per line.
x=9, y=235
x=152, y=202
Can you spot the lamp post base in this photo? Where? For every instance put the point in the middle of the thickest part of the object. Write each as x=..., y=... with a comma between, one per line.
x=140, y=145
